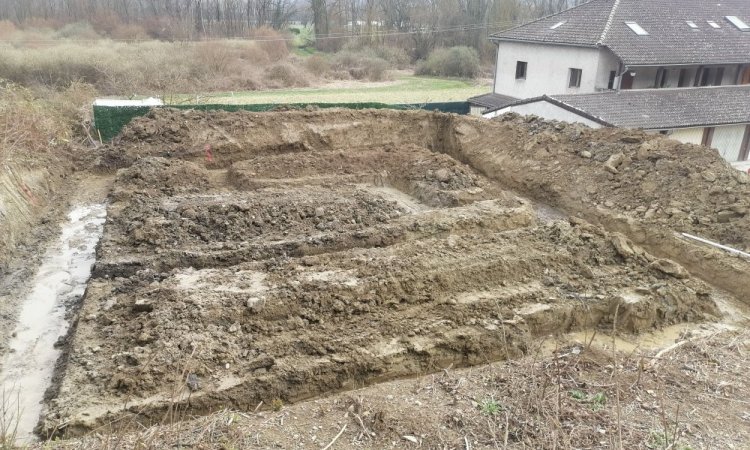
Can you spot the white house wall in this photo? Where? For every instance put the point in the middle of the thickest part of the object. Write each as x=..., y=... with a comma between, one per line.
x=608, y=62
x=546, y=110
x=688, y=135
x=728, y=140
x=547, y=69
x=476, y=110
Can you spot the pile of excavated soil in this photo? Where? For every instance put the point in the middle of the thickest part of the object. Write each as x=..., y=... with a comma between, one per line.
x=249, y=257
x=655, y=181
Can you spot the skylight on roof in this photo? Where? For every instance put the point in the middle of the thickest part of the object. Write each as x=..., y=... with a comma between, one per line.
x=637, y=29
x=737, y=22
x=557, y=25
x=691, y=24
x=713, y=24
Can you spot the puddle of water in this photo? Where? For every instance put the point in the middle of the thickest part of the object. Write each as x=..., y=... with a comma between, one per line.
x=60, y=281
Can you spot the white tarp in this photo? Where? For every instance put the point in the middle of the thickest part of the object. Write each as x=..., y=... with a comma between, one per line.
x=151, y=101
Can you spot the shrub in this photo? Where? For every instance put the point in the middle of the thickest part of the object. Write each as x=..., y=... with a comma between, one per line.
x=460, y=62
x=128, y=31
x=214, y=56
x=286, y=75
x=35, y=121
x=395, y=56
x=363, y=64
x=7, y=29
x=254, y=54
x=77, y=30
x=318, y=65
x=272, y=42
x=147, y=68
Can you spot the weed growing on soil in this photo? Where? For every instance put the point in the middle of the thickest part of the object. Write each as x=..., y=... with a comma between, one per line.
x=490, y=407
x=578, y=395
x=10, y=413
x=598, y=401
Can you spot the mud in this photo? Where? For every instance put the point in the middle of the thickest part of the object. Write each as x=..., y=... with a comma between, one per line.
x=27, y=369
x=251, y=258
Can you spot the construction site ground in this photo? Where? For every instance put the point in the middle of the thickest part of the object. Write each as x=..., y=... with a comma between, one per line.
x=330, y=279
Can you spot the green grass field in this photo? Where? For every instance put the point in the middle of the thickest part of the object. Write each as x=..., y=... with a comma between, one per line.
x=405, y=89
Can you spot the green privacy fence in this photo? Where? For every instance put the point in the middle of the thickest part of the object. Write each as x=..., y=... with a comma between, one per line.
x=110, y=120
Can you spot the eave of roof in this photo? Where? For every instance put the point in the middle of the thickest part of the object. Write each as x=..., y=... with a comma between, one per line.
x=492, y=100
x=554, y=101
x=530, y=41
x=650, y=108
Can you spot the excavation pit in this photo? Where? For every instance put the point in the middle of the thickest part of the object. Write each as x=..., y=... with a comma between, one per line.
x=320, y=266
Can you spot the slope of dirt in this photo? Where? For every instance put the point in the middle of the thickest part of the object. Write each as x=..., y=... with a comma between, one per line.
x=249, y=258
x=692, y=396
x=656, y=181
x=647, y=187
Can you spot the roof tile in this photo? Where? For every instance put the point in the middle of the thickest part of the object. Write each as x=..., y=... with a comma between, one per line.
x=670, y=40
x=665, y=108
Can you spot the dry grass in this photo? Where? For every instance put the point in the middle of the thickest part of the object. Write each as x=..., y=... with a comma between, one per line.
x=35, y=123
x=75, y=53
x=9, y=416
x=144, y=68
x=54, y=56
x=167, y=68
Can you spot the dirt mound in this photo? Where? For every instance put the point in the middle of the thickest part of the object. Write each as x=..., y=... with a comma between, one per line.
x=650, y=179
x=169, y=176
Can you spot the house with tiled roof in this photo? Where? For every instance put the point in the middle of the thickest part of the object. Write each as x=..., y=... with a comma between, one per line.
x=679, y=67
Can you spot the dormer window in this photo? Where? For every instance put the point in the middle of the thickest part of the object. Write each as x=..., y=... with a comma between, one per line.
x=557, y=25
x=737, y=22
x=713, y=24
x=691, y=24
x=637, y=29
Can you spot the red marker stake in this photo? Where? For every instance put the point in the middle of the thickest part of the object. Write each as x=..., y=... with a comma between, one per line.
x=209, y=153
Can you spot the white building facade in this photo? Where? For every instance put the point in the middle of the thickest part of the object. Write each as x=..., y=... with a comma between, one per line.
x=685, y=49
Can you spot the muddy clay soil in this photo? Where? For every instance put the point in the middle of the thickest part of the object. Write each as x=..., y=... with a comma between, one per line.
x=261, y=259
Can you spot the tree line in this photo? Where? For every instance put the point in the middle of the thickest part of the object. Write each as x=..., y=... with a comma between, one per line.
x=463, y=21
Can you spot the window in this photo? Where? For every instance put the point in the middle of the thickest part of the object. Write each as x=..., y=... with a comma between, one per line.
x=743, y=77
x=713, y=24
x=557, y=25
x=611, y=82
x=575, y=78
x=521, y=70
x=637, y=29
x=661, y=78
x=737, y=22
x=702, y=77
x=719, y=78
x=691, y=24
x=682, y=82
